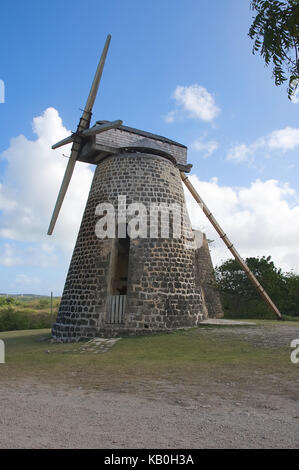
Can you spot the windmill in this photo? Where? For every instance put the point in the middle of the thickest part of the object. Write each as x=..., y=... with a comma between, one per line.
x=126, y=285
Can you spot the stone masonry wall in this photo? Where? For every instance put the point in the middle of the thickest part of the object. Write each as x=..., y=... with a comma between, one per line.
x=206, y=282
x=162, y=291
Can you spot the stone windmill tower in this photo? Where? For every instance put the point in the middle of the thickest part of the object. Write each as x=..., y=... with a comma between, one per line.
x=136, y=266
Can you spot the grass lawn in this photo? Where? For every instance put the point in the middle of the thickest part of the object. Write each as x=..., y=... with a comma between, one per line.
x=187, y=357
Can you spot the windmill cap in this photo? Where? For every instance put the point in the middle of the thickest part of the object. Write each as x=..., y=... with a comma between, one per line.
x=150, y=146
x=149, y=135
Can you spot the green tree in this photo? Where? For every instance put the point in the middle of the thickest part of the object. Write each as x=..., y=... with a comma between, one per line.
x=291, y=301
x=241, y=299
x=232, y=279
x=275, y=31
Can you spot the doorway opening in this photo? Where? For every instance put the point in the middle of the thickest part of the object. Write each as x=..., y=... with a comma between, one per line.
x=121, y=266
x=118, y=285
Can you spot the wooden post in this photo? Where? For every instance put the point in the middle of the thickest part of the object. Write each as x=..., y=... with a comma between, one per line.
x=229, y=245
x=51, y=302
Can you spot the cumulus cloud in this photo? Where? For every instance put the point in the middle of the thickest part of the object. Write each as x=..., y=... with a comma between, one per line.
x=171, y=116
x=207, y=147
x=8, y=256
x=281, y=140
x=239, y=153
x=29, y=189
x=24, y=284
x=34, y=254
x=23, y=281
x=261, y=219
x=295, y=96
x=194, y=102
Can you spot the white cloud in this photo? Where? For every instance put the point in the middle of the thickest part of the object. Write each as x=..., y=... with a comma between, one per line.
x=295, y=97
x=8, y=256
x=195, y=102
x=208, y=147
x=23, y=281
x=262, y=219
x=239, y=153
x=170, y=117
x=281, y=139
x=29, y=190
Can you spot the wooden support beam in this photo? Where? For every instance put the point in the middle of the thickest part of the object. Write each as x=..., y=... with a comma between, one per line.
x=230, y=245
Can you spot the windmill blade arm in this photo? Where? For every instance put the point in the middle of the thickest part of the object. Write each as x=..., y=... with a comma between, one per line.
x=229, y=245
x=97, y=78
x=101, y=128
x=67, y=140
x=63, y=189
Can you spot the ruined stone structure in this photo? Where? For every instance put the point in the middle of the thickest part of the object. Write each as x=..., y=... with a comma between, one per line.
x=133, y=286
x=205, y=279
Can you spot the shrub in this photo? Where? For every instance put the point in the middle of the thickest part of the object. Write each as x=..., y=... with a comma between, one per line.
x=43, y=303
x=11, y=319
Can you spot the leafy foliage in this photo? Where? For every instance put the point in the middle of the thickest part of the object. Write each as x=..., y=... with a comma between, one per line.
x=11, y=319
x=43, y=303
x=4, y=301
x=22, y=313
x=275, y=31
x=240, y=297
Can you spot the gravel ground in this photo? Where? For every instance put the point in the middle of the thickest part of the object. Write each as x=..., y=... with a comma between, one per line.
x=37, y=416
x=274, y=336
x=224, y=412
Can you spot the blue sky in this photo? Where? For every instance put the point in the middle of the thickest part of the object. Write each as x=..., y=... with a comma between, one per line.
x=244, y=146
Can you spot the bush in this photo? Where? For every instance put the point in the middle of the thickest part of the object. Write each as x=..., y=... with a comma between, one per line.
x=11, y=319
x=7, y=301
x=43, y=303
x=236, y=307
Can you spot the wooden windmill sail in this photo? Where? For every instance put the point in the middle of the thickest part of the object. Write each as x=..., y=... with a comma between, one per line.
x=83, y=131
x=122, y=286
